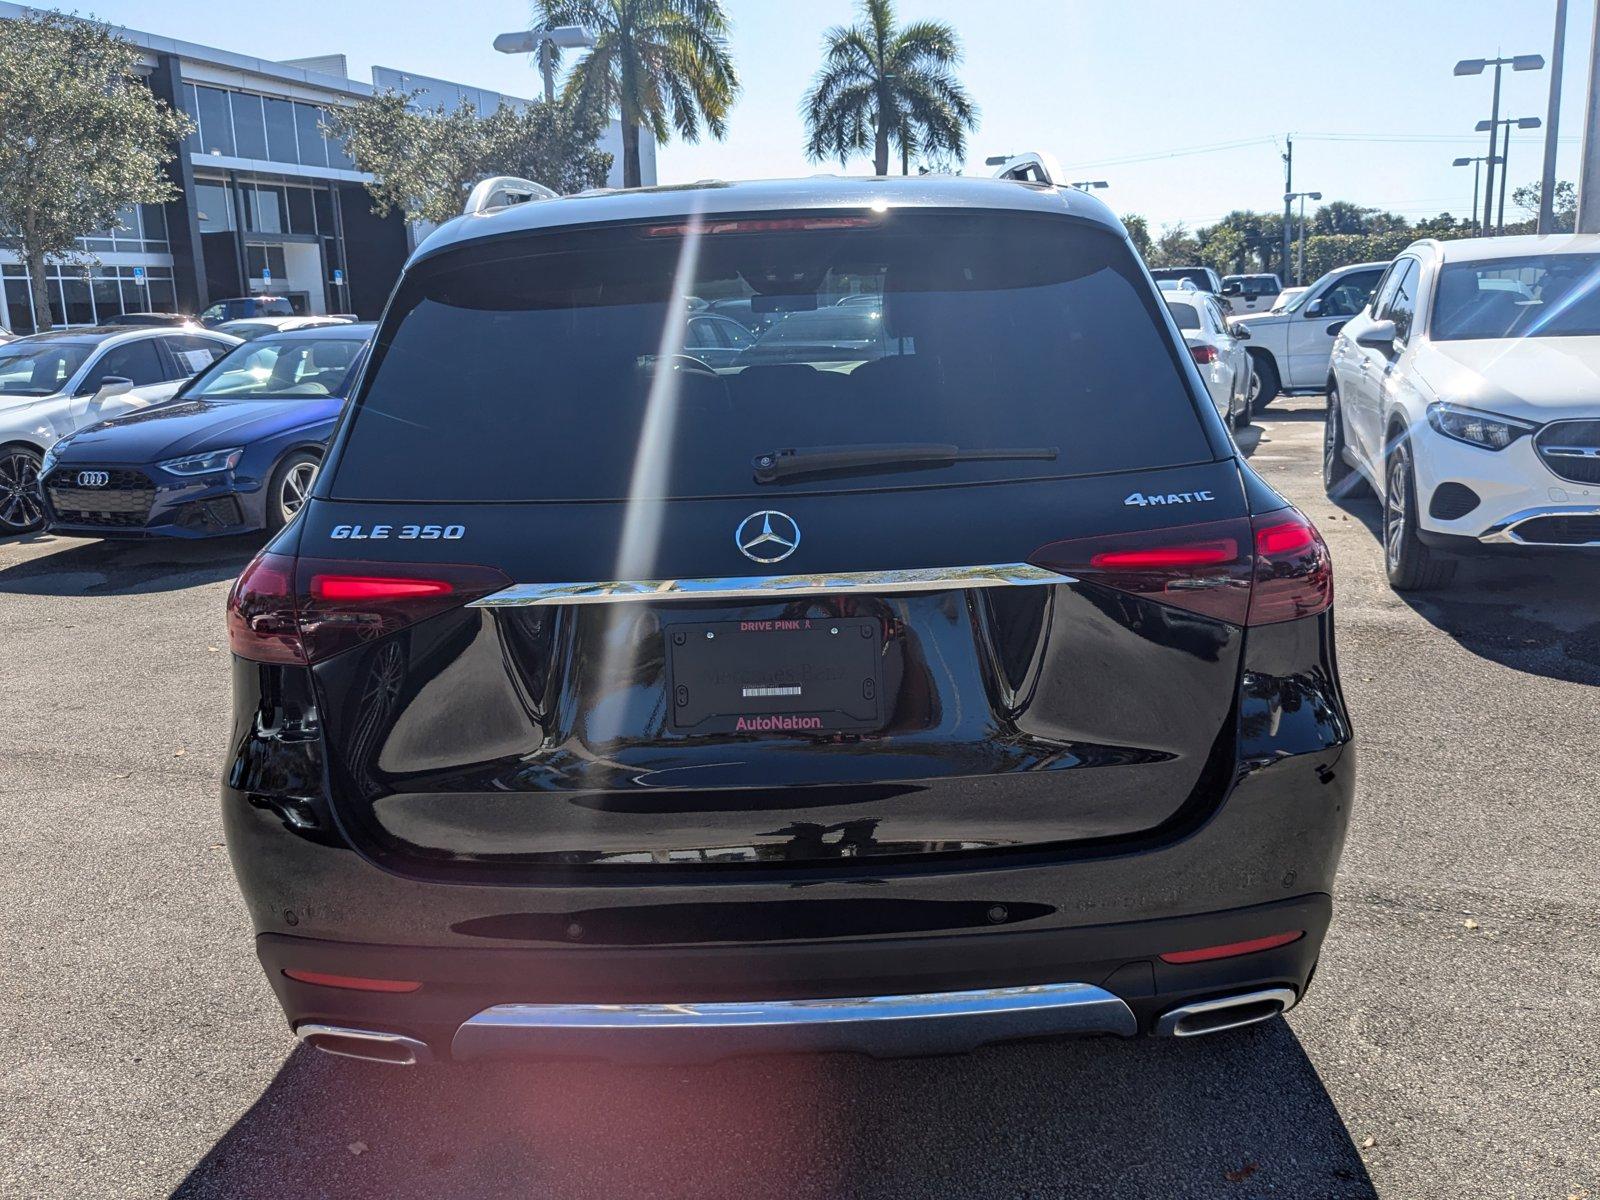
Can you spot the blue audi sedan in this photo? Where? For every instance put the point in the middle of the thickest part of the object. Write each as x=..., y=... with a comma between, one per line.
x=235, y=450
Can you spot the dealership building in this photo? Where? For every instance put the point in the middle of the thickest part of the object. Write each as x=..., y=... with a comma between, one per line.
x=267, y=204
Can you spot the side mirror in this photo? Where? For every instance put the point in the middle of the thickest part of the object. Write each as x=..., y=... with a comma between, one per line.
x=1239, y=332
x=111, y=385
x=1314, y=309
x=1379, y=335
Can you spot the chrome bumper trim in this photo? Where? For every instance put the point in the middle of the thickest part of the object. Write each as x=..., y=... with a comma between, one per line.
x=369, y=1045
x=773, y=587
x=1504, y=532
x=936, y=1022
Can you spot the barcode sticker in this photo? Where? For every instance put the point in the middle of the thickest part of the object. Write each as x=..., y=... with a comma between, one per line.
x=751, y=692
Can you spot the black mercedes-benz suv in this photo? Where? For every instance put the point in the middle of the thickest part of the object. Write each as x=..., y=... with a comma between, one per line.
x=947, y=680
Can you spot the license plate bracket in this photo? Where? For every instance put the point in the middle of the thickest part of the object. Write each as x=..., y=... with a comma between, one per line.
x=804, y=675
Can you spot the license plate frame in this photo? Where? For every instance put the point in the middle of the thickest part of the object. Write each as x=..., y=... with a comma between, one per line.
x=799, y=675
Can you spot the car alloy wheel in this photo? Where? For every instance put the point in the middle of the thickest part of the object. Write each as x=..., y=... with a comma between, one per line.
x=297, y=481
x=1394, y=511
x=21, y=507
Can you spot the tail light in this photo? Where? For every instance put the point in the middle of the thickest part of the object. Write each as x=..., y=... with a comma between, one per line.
x=283, y=610
x=1246, y=572
x=1204, y=355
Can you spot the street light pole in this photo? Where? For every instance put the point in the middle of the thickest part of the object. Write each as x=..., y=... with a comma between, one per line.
x=1476, y=161
x=1552, y=124
x=1288, y=185
x=1510, y=123
x=1589, y=172
x=545, y=42
x=1476, y=66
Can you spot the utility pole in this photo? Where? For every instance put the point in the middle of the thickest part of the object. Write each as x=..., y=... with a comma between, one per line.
x=1589, y=174
x=1288, y=188
x=1552, y=122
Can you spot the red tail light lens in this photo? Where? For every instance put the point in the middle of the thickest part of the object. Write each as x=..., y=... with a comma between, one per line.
x=1294, y=574
x=1204, y=355
x=262, y=625
x=1275, y=568
x=1203, y=568
x=287, y=611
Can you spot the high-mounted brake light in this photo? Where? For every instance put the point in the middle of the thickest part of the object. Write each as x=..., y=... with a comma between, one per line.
x=286, y=611
x=759, y=225
x=1234, y=949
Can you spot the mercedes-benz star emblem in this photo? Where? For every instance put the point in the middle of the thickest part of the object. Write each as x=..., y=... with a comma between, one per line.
x=93, y=478
x=767, y=536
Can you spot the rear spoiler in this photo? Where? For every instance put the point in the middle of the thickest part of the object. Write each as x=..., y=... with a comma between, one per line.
x=502, y=191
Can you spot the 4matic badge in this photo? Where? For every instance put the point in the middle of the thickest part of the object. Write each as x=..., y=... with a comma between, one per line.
x=1140, y=499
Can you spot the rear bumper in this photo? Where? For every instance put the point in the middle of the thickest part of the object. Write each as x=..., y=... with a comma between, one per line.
x=878, y=996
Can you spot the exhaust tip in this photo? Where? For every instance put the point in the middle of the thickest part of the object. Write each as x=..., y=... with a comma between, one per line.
x=1224, y=1013
x=369, y=1045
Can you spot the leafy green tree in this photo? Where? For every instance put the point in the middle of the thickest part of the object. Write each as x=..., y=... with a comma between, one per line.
x=883, y=83
x=81, y=137
x=424, y=162
x=1338, y=216
x=1176, y=247
x=659, y=64
x=1138, y=233
x=1565, y=209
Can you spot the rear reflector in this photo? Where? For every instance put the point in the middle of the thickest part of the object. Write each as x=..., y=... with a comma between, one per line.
x=354, y=983
x=286, y=611
x=1233, y=949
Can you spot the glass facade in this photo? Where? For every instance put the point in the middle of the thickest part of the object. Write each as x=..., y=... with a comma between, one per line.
x=87, y=295
x=246, y=125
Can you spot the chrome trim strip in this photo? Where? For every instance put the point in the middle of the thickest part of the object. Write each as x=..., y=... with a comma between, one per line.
x=886, y=1025
x=416, y=1051
x=1504, y=532
x=1168, y=1023
x=774, y=587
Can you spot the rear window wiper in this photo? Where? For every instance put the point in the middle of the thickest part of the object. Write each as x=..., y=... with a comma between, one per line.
x=775, y=465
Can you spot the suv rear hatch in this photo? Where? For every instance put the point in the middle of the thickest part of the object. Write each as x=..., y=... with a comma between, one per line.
x=968, y=579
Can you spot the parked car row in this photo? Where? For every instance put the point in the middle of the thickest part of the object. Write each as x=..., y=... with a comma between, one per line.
x=142, y=431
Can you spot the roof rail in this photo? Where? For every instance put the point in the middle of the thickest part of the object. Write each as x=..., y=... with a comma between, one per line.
x=1032, y=167
x=502, y=191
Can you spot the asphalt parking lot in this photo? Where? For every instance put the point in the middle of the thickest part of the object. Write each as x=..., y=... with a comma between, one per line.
x=1450, y=1046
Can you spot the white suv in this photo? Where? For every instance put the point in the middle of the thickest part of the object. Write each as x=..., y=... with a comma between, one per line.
x=1468, y=395
x=1290, y=346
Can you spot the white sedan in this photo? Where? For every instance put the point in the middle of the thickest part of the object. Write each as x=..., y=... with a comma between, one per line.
x=1217, y=348
x=1467, y=394
x=52, y=384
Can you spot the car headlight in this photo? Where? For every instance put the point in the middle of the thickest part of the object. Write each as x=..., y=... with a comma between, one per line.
x=208, y=463
x=52, y=456
x=1484, y=430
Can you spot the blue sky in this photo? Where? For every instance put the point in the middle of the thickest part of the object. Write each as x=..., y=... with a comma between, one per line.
x=1111, y=89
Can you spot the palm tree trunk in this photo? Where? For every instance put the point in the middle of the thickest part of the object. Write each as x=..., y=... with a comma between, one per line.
x=905, y=159
x=880, y=152
x=630, y=154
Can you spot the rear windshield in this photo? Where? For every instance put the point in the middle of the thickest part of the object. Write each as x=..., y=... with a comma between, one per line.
x=561, y=367
x=1186, y=315
x=1195, y=275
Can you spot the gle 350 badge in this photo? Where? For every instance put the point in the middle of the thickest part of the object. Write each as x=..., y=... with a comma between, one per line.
x=402, y=533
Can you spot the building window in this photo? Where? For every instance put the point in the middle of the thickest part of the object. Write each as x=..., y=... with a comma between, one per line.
x=214, y=206
x=191, y=108
x=280, y=131
x=263, y=208
x=301, y=219
x=249, y=127
x=78, y=297
x=308, y=123
x=216, y=121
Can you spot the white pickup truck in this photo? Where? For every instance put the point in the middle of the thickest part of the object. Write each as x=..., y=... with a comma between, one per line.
x=1292, y=345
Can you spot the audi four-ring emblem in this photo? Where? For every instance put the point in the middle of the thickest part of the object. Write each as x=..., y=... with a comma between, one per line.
x=93, y=478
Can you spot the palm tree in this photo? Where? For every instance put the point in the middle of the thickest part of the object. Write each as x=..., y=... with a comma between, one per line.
x=888, y=83
x=659, y=64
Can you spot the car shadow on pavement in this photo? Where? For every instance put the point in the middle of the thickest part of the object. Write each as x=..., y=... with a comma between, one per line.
x=124, y=568
x=1236, y=1115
